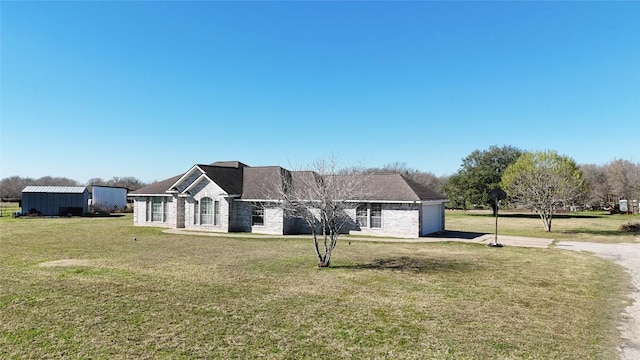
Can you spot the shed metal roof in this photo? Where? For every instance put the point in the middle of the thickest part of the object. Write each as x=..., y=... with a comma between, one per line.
x=55, y=189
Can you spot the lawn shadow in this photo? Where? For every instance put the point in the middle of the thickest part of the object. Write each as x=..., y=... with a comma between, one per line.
x=103, y=215
x=454, y=234
x=415, y=265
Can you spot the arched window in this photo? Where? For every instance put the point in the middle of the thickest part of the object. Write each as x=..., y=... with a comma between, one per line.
x=206, y=211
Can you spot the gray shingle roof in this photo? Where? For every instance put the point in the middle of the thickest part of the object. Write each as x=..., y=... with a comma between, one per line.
x=424, y=192
x=235, y=164
x=395, y=187
x=157, y=188
x=228, y=178
x=261, y=182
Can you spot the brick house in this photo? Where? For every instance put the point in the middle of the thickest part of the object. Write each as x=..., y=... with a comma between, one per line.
x=233, y=197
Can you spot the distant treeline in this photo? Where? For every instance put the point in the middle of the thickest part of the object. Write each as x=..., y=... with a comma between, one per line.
x=479, y=172
x=11, y=187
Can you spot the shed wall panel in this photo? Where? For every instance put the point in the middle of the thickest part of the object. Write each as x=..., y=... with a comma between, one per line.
x=110, y=199
x=54, y=204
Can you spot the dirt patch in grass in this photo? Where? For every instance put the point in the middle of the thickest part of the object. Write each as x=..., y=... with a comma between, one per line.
x=65, y=262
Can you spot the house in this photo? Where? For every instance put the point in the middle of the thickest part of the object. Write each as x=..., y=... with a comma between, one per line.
x=55, y=200
x=233, y=197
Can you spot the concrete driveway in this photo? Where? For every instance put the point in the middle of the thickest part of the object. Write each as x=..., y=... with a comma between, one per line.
x=480, y=238
x=627, y=255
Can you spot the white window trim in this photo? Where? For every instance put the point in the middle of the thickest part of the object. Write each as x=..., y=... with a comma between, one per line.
x=365, y=215
x=216, y=212
x=149, y=209
x=211, y=214
x=197, y=212
x=253, y=208
x=369, y=216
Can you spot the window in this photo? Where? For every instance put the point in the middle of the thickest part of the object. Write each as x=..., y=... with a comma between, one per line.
x=376, y=216
x=369, y=215
x=216, y=213
x=206, y=211
x=156, y=209
x=196, y=212
x=257, y=215
x=361, y=215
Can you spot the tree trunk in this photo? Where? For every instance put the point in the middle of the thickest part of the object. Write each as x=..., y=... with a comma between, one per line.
x=546, y=219
x=316, y=247
x=326, y=261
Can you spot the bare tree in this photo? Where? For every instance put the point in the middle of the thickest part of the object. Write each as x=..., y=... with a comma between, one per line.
x=427, y=179
x=598, y=191
x=321, y=198
x=623, y=177
x=128, y=182
x=11, y=187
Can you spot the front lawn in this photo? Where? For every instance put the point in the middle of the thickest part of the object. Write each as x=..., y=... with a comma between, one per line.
x=84, y=288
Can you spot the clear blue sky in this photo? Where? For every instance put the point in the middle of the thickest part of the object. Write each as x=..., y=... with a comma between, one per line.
x=149, y=88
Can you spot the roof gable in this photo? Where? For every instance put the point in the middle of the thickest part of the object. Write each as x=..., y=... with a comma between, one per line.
x=228, y=178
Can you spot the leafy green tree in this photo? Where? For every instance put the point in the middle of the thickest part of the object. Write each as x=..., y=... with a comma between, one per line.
x=479, y=173
x=543, y=181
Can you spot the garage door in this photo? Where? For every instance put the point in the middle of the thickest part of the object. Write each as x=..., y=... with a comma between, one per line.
x=431, y=219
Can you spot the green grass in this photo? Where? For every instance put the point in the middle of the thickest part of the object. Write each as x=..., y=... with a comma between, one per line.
x=83, y=288
x=583, y=226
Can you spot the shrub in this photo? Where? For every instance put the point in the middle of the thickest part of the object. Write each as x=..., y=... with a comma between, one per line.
x=631, y=226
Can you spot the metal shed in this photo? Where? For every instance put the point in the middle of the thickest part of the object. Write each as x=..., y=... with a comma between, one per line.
x=107, y=198
x=55, y=200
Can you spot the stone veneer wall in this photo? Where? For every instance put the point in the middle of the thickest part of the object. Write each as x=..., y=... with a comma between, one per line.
x=213, y=191
x=241, y=215
x=398, y=220
x=140, y=212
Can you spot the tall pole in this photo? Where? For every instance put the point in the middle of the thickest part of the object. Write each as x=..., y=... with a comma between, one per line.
x=495, y=239
x=496, y=195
